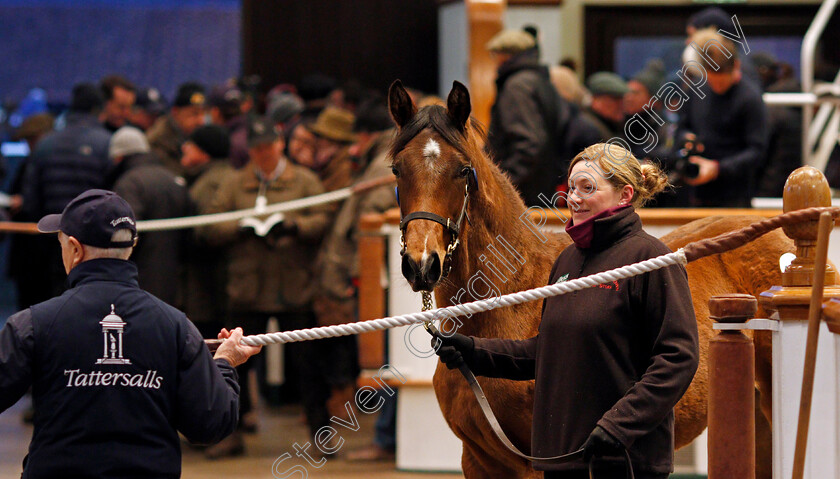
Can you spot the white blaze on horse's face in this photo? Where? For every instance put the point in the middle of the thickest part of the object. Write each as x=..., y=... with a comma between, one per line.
x=431, y=152
x=431, y=179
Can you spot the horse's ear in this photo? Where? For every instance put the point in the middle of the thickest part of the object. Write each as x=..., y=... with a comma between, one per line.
x=458, y=104
x=400, y=103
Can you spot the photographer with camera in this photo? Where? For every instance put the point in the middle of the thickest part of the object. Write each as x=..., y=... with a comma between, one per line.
x=730, y=120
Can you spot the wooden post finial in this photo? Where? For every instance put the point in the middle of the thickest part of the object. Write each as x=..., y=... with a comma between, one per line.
x=806, y=187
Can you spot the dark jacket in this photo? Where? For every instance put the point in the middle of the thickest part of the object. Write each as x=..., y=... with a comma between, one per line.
x=205, y=300
x=784, y=151
x=154, y=192
x=166, y=139
x=523, y=121
x=733, y=128
x=66, y=163
x=619, y=355
x=110, y=393
x=30, y=256
x=238, y=131
x=607, y=129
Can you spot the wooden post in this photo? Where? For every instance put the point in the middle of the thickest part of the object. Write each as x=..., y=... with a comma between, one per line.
x=732, y=391
x=485, y=19
x=371, y=294
x=805, y=187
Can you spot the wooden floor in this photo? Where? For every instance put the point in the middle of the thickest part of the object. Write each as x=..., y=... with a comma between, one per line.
x=279, y=430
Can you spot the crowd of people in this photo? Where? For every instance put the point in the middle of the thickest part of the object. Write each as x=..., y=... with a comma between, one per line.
x=211, y=151
x=706, y=124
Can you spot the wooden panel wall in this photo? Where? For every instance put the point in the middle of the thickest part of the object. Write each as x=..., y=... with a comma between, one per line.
x=374, y=41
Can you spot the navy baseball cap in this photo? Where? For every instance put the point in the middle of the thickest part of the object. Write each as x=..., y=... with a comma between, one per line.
x=92, y=218
x=260, y=132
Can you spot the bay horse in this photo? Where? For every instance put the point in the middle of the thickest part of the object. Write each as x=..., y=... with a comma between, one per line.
x=443, y=174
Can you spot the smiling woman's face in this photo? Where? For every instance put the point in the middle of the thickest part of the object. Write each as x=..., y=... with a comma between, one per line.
x=590, y=193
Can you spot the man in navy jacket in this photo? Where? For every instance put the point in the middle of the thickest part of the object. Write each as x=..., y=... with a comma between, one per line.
x=730, y=120
x=114, y=371
x=64, y=164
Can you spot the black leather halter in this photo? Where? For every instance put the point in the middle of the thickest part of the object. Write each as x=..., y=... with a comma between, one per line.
x=453, y=226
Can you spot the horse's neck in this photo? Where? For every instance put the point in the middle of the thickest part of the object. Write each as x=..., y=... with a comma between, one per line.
x=498, y=250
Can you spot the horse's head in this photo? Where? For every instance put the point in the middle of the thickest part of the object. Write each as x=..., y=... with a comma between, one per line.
x=432, y=160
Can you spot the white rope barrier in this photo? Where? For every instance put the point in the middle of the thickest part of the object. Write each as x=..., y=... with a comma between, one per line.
x=488, y=304
x=203, y=220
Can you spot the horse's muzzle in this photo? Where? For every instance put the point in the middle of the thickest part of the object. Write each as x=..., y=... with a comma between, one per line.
x=423, y=276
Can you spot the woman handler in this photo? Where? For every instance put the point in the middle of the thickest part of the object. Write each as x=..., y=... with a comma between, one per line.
x=610, y=362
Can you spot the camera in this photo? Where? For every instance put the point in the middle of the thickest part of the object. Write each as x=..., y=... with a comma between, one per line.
x=676, y=162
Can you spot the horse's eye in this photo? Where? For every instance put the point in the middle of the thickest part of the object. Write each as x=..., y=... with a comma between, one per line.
x=465, y=171
x=395, y=171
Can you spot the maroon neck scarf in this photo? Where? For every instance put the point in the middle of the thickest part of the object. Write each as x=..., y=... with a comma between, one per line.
x=583, y=233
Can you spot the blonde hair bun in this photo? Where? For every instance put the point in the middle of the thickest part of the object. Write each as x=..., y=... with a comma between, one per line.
x=646, y=179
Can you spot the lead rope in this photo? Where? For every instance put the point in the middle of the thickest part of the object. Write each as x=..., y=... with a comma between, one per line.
x=484, y=404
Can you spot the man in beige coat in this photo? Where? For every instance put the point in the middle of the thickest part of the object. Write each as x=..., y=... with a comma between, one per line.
x=270, y=268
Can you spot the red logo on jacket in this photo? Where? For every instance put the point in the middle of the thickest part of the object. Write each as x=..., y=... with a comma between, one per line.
x=613, y=285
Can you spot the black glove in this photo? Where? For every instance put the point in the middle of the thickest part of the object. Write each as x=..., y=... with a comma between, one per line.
x=601, y=443
x=453, y=349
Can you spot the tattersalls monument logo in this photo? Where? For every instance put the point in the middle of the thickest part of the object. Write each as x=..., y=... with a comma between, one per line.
x=113, y=330
x=112, y=334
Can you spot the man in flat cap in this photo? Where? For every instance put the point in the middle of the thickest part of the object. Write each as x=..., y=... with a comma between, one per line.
x=606, y=111
x=115, y=372
x=644, y=111
x=524, y=119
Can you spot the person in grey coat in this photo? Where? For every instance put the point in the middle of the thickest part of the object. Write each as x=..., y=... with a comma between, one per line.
x=153, y=192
